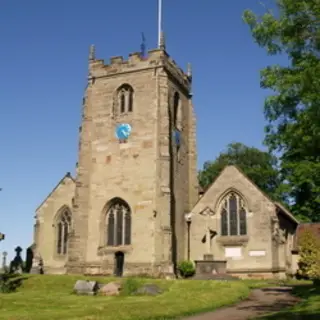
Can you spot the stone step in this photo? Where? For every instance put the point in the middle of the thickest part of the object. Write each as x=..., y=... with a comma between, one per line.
x=214, y=277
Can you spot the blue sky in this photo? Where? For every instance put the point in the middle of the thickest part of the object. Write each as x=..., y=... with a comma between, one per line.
x=43, y=63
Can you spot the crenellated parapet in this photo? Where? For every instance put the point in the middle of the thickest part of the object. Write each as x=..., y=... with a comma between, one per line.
x=136, y=62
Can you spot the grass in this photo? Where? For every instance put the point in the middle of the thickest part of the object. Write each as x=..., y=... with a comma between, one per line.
x=308, y=309
x=50, y=297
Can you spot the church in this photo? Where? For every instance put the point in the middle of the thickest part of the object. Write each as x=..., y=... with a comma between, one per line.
x=134, y=206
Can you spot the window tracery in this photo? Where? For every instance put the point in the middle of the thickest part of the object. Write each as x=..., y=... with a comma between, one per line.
x=118, y=220
x=177, y=115
x=63, y=229
x=125, y=99
x=233, y=216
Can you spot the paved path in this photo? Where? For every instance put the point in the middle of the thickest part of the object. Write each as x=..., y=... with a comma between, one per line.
x=261, y=301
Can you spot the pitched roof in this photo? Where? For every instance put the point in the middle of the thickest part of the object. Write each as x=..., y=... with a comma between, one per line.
x=67, y=175
x=279, y=206
x=286, y=212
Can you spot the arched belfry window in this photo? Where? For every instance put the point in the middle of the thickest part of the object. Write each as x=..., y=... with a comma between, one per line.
x=177, y=111
x=118, y=223
x=233, y=215
x=176, y=122
x=63, y=227
x=125, y=98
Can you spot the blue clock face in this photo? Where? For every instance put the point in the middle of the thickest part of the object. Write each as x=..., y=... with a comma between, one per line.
x=177, y=137
x=123, y=131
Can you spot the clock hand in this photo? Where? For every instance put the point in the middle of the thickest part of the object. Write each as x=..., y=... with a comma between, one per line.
x=124, y=133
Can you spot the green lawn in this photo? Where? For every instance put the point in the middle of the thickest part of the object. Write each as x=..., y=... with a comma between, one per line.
x=308, y=309
x=50, y=297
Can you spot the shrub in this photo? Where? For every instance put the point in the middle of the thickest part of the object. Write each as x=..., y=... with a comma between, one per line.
x=309, y=250
x=9, y=282
x=130, y=286
x=186, y=269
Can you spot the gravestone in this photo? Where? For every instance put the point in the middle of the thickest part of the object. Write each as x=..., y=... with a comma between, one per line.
x=149, y=289
x=19, y=270
x=41, y=266
x=16, y=264
x=84, y=287
x=37, y=265
x=111, y=289
x=4, y=260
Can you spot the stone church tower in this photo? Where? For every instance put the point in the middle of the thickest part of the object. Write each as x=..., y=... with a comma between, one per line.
x=131, y=196
x=136, y=180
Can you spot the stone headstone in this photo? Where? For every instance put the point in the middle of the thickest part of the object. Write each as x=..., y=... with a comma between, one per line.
x=4, y=260
x=84, y=287
x=37, y=265
x=111, y=289
x=19, y=270
x=41, y=266
x=17, y=262
x=149, y=289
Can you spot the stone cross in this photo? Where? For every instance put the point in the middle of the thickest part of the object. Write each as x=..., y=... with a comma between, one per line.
x=208, y=238
x=18, y=251
x=209, y=214
x=4, y=259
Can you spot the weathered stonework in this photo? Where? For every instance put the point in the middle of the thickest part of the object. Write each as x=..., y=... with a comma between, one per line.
x=265, y=248
x=155, y=179
x=45, y=228
x=144, y=171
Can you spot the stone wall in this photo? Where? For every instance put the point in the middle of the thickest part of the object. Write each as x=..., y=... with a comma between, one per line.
x=257, y=252
x=144, y=171
x=45, y=233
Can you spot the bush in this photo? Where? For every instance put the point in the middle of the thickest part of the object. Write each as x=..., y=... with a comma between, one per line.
x=9, y=282
x=130, y=286
x=186, y=269
x=309, y=250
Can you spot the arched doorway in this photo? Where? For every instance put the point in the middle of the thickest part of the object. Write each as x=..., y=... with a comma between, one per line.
x=118, y=263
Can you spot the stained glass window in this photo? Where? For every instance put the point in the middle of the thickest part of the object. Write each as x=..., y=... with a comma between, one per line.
x=118, y=223
x=233, y=216
x=63, y=228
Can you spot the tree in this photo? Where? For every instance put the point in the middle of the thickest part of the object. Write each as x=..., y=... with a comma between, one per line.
x=309, y=251
x=259, y=166
x=293, y=109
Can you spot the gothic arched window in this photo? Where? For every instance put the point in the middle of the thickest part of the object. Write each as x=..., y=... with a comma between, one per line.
x=125, y=98
x=118, y=221
x=177, y=123
x=63, y=229
x=233, y=216
x=177, y=111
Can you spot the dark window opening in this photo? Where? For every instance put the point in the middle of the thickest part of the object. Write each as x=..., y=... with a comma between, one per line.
x=118, y=223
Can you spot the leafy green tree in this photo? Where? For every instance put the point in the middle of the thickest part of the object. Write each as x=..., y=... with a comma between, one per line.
x=293, y=108
x=309, y=251
x=259, y=166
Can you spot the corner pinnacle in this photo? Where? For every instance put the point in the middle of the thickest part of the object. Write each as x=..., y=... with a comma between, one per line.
x=92, y=53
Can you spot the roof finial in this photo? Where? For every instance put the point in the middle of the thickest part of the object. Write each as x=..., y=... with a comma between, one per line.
x=162, y=44
x=92, y=53
x=189, y=70
x=159, y=22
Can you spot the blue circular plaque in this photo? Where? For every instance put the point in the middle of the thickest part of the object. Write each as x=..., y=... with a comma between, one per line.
x=177, y=137
x=123, y=131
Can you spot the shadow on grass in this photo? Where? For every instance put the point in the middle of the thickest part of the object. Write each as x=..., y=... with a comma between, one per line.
x=307, y=308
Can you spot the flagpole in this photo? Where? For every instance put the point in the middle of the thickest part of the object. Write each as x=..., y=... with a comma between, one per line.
x=159, y=22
